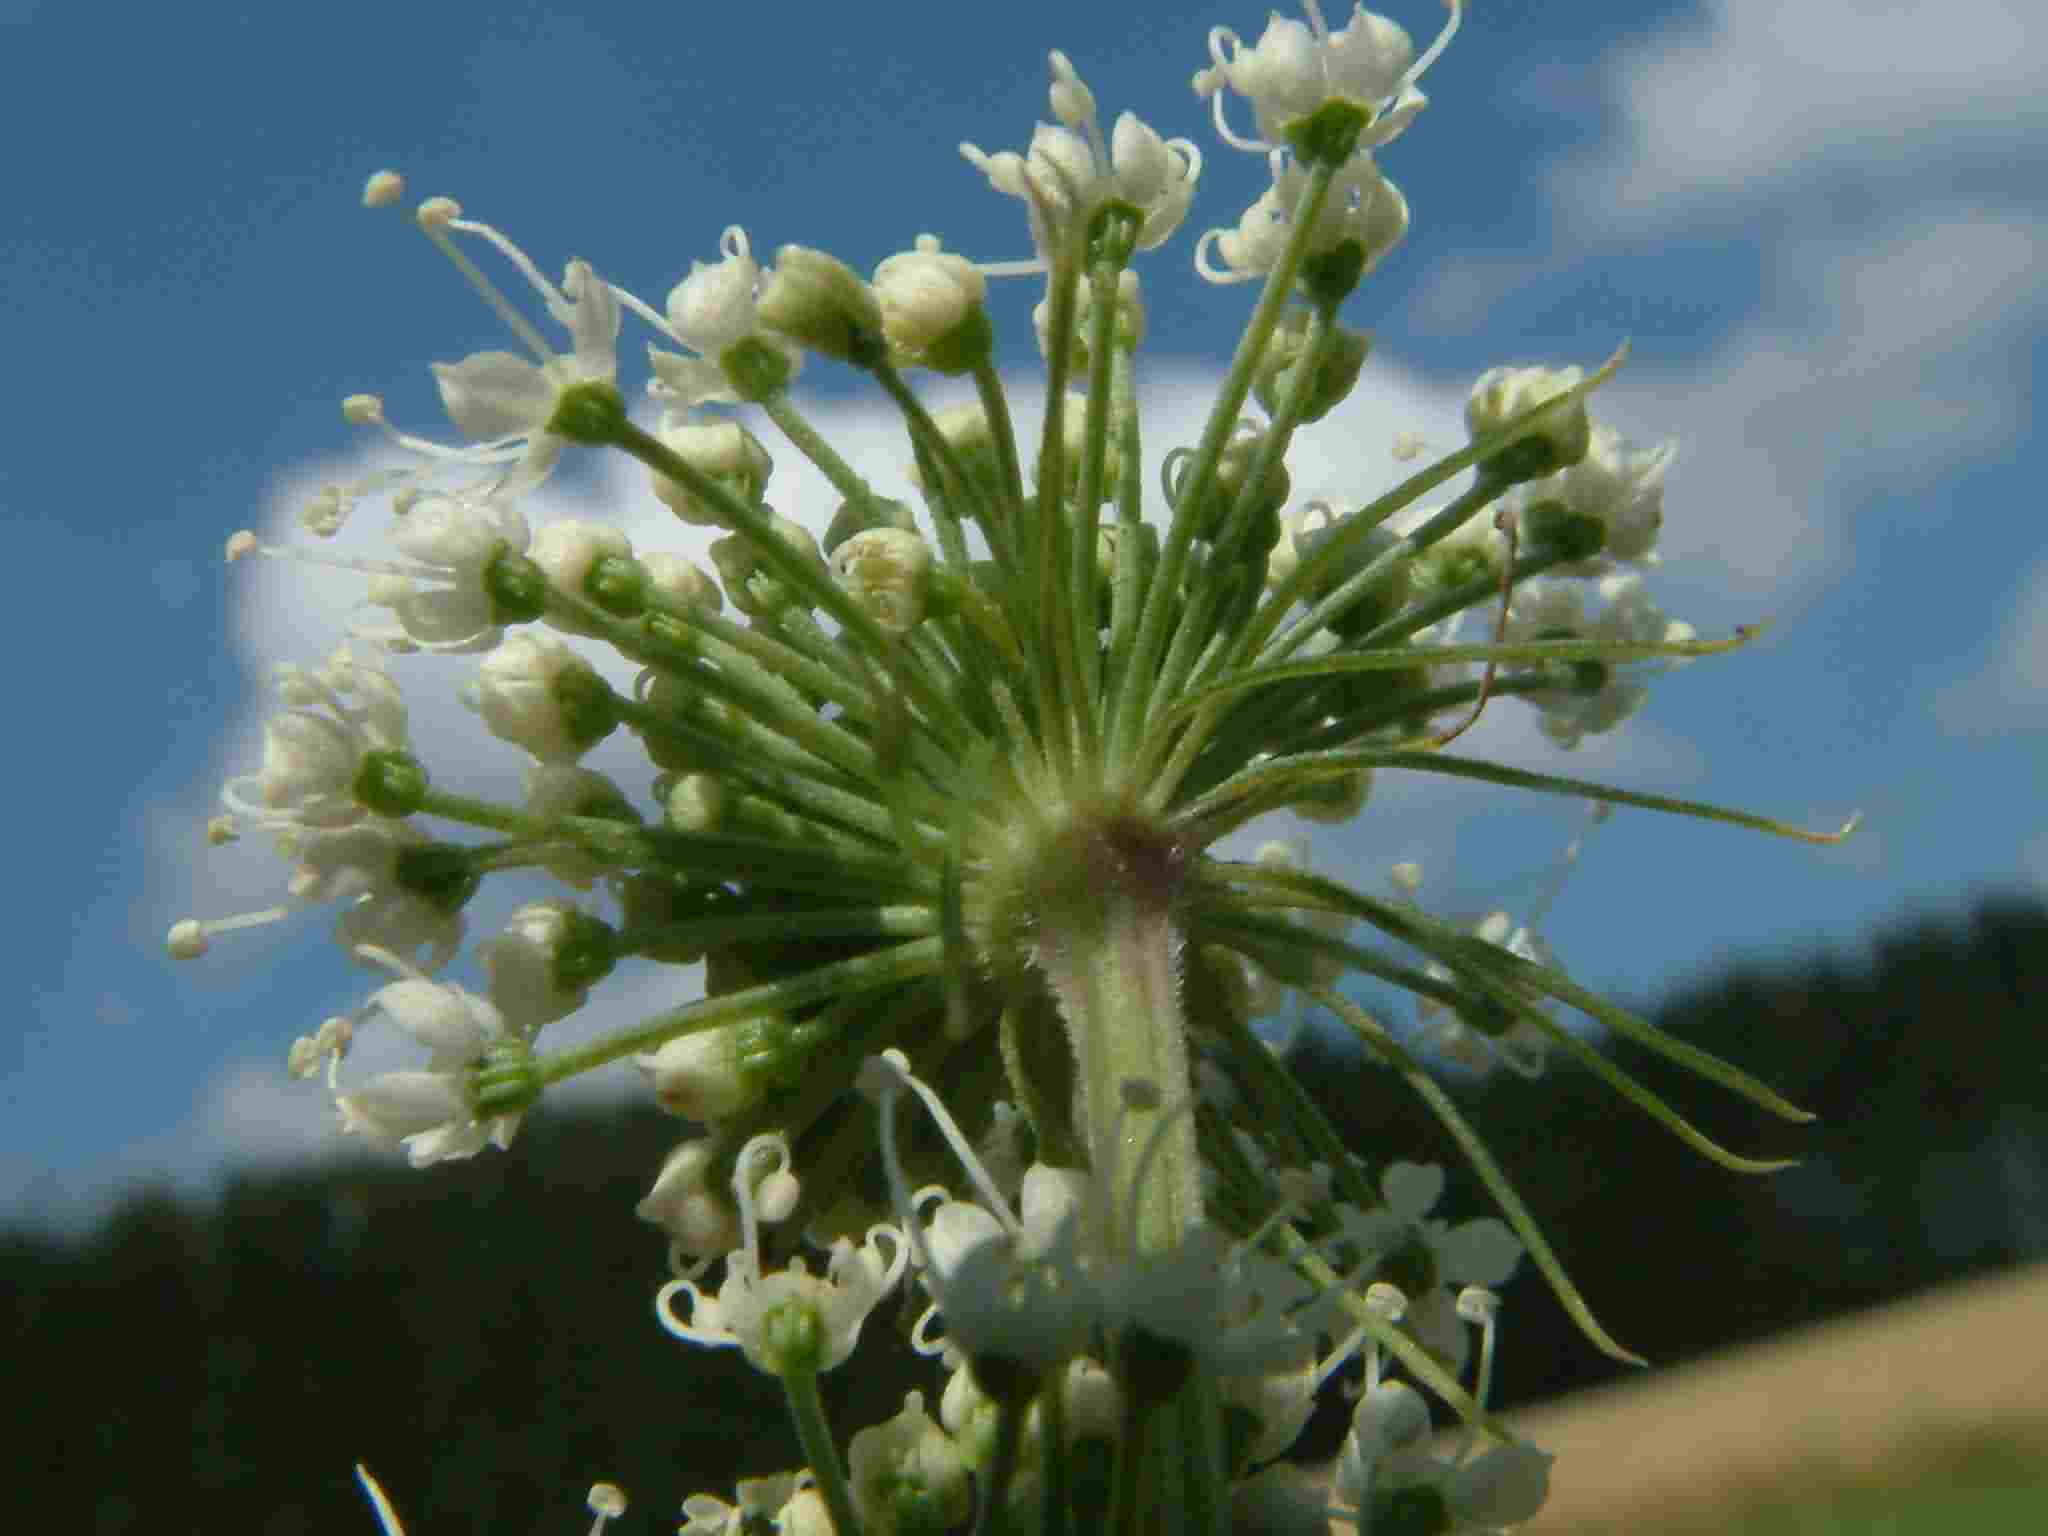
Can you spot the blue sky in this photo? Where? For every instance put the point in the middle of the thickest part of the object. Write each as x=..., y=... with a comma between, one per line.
x=1820, y=226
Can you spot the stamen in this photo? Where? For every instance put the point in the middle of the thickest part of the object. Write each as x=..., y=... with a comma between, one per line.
x=1482, y=1307
x=744, y=1196
x=435, y=219
x=1506, y=523
x=383, y=189
x=607, y=1501
x=191, y=937
x=1443, y=41
x=978, y=1175
x=1389, y=1305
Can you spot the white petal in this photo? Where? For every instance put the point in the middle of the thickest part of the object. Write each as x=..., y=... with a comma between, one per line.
x=445, y=1019
x=1483, y=1252
x=1412, y=1188
x=594, y=323
x=401, y=1104
x=495, y=395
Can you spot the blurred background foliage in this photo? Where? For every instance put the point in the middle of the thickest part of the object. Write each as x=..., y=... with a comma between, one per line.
x=482, y=1336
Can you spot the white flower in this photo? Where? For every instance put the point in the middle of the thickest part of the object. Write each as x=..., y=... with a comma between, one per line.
x=426, y=1110
x=437, y=596
x=754, y=1309
x=1592, y=696
x=1619, y=487
x=361, y=866
x=1556, y=440
x=1387, y=1453
x=525, y=964
x=1295, y=68
x=1482, y=1252
x=500, y=399
x=714, y=306
x=710, y=311
x=1070, y=171
x=537, y=693
x=1362, y=207
x=1234, y=1308
x=454, y=539
x=1031, y=1291
x=908, y=1466
x=1524, y=1044
x=761, y=1499
x=1010, y=1290
x=313, y=752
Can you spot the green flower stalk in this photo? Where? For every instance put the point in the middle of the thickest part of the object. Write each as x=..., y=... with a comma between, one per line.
x=935, y=797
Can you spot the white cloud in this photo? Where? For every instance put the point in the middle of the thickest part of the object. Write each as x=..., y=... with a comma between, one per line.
x=1766, y=93
x=2012, y=692
x=1877, y=357
x=251, y=1111
x=1901, y=365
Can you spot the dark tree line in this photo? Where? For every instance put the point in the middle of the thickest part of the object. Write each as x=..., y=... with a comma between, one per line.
x=482, y=1335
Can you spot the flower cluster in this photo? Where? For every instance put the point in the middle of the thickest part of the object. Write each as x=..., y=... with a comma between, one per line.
x=947, y=785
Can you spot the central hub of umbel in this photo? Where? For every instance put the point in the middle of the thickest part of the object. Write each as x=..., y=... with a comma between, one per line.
x=1068, y=876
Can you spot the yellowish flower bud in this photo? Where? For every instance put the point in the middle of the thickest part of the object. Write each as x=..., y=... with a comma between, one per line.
x=818, y=303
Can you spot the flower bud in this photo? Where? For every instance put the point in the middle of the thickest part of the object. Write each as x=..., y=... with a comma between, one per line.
x=562, y=789
x=755, y=588
x=859, y=514
x=1307, y=531
x=699, y=1076
x=725, y=451
x=680, y=582
x=1232, y=473
x=1334, y=801
x=888, y=571
x=932, y=310
x=1130, y=320
x=1557, y=440
x=680, y=700
x=1473, y=551
x=1288, y=355
x=567, y=550
x=713, y=307
x=697, y=1213
x=544, y=963
x=695, y=802
x=967, y=432
x=817, y=302
x=536, y=693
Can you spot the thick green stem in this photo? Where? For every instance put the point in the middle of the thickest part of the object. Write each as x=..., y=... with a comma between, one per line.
x=1118, y=985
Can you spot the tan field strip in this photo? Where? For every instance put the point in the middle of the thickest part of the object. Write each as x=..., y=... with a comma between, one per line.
x=1902, y=1395
x=1893, y=1397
